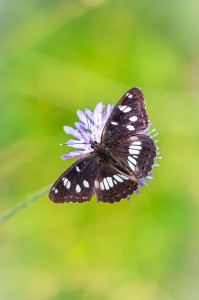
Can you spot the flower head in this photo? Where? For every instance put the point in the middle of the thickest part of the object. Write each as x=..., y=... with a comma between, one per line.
x=88, y=129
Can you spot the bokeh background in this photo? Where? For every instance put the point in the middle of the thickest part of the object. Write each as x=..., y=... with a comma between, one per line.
x=60, y=56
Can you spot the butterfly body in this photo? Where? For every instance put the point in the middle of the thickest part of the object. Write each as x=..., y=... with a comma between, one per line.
x=101, y=150
x=105, y=154
x=112, y=169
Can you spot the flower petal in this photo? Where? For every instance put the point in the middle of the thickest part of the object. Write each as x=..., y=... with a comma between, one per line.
x=137, y=191
x=81, y=115
x=141, y=182
x=84, y=134
x=109, y=110
x=98, y=113
x=73, y=154
x=69, y=130
x=128, y=197
x=77, y=144
x=88, y=113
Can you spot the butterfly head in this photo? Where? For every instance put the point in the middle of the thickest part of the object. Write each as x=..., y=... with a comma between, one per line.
x=93, y=144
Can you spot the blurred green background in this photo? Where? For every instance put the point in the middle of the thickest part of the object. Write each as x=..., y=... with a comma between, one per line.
x=60, y=56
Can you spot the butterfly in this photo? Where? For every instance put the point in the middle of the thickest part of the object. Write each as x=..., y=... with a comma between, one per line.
x=124, y=155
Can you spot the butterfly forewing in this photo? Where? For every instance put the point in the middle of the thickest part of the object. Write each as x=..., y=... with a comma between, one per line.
x=128, y=118
x=111, y=185
x=76, y=183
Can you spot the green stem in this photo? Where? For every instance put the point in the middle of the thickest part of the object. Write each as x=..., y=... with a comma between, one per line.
x=13, y=211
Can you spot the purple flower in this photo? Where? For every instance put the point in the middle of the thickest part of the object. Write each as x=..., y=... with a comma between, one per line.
x=90, y=129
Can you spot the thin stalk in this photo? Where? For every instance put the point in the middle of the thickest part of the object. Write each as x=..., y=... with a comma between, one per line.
x=13, y=211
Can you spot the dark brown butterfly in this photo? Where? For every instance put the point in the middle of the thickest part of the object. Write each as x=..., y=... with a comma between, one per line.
x=113, y=169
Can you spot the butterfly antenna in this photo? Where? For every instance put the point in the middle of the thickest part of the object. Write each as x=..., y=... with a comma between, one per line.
x=65, y=144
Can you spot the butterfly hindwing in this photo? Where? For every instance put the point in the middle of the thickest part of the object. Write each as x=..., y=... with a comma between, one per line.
x=76, y=183
x=127, y=118
x=137, y=153
x=111, y=185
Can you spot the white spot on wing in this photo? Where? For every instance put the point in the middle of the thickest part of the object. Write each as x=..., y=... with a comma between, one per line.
x=86, y=184
x=132, y=151
x=122, y=107
x=119, y=179
x=77, y=169
x=101, y=185
x=68, y=184
x=114, y=123
x=127, y=109
x=130, y=127
x=131, y=165
x=110, y=181
x=56, y=191
x=130, y=96
x=65, y=180
x=133, y=119
x=136, y=147
x=78, y=188
x=136, y=143
x=132, y=160
x=124, y=177
x=106, y=184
